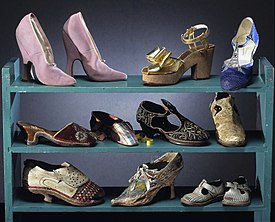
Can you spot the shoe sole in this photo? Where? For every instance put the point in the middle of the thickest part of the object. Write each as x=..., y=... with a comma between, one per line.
x=216, y=199
x=48, y=192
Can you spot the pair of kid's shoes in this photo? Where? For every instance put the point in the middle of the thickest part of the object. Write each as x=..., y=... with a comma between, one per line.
x=235, y=193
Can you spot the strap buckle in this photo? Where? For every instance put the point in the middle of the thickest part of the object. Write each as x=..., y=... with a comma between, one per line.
x=189, y=36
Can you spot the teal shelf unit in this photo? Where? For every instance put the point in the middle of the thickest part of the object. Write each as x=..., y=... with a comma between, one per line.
x=258, y=142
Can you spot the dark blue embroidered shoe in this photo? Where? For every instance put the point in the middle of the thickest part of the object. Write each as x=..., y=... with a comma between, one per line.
x=237, y=71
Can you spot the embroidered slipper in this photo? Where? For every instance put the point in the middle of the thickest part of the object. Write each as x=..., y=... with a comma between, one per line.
x=154, y=121
x=70, y=135
x=205, y=193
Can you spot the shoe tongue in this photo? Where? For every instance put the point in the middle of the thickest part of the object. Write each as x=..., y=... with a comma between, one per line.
x=65, y=164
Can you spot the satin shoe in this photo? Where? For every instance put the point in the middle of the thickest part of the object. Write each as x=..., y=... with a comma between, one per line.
x=63, y=181
x=237, y=71
x=113, y=127
x=149, y=179
x=80, y=45
x=37, y=54
x=167, y=70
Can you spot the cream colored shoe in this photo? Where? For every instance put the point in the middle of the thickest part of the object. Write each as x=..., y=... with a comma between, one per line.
x=62, y=181
x=229, y=130
x=238, y=193
x=205, y=193
x=149, y=179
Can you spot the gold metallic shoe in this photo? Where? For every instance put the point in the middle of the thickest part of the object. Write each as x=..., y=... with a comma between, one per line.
x=166, y=70
x=229, y=130
x=149, y=179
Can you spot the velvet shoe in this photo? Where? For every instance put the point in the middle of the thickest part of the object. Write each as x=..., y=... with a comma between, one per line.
x=153, y=119
x=37, y=54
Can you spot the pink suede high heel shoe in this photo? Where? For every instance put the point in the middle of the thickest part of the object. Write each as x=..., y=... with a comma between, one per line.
x=37, y=52
x=80, y=45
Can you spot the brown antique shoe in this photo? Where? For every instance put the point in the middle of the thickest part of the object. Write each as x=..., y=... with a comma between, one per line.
x=149, y=179
x=62, y=181
x=70, y=135
x=229, y=130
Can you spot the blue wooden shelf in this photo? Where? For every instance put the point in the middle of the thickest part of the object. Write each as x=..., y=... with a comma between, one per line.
x=258, y=142
x=34, y=203
x=133, y=84
x=255, y=143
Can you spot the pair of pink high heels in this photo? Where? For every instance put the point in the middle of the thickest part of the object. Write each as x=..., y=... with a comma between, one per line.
x=79, y=44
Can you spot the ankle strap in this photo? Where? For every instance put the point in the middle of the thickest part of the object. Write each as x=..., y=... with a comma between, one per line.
x=189, y=36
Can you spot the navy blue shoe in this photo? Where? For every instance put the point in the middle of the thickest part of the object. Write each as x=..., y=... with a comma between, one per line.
x=237, y=71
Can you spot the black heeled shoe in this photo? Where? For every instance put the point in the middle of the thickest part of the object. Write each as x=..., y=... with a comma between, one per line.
x=115, y=128
x=153, y=121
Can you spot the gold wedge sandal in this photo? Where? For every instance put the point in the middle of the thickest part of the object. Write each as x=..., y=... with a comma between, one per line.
x=166, y=70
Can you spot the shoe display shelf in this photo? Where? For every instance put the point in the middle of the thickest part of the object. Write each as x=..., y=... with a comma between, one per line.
x=259, y=142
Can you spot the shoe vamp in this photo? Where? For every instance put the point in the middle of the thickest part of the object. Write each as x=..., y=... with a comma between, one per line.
x=189, y=131
x=236, y=195
x=134, y=190
x=71, y=176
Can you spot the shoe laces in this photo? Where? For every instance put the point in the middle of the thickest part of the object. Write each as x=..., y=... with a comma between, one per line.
x=143, y=174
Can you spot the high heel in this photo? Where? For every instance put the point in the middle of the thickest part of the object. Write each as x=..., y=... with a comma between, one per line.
x=37, y=53
x=237, y=71
x=166, y=70
x=80, y=45
x=70, y=135
x=149, y=179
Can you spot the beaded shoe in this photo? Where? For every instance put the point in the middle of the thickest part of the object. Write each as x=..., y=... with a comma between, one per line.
x=62, y=181
x=149, y=179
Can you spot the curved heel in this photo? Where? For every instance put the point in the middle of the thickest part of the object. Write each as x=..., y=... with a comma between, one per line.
x=172, y=191
x=71, y=51
x=203, y=67
x=32, y=138
x=26, y=74
x=47, y=197
x=148, y=131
